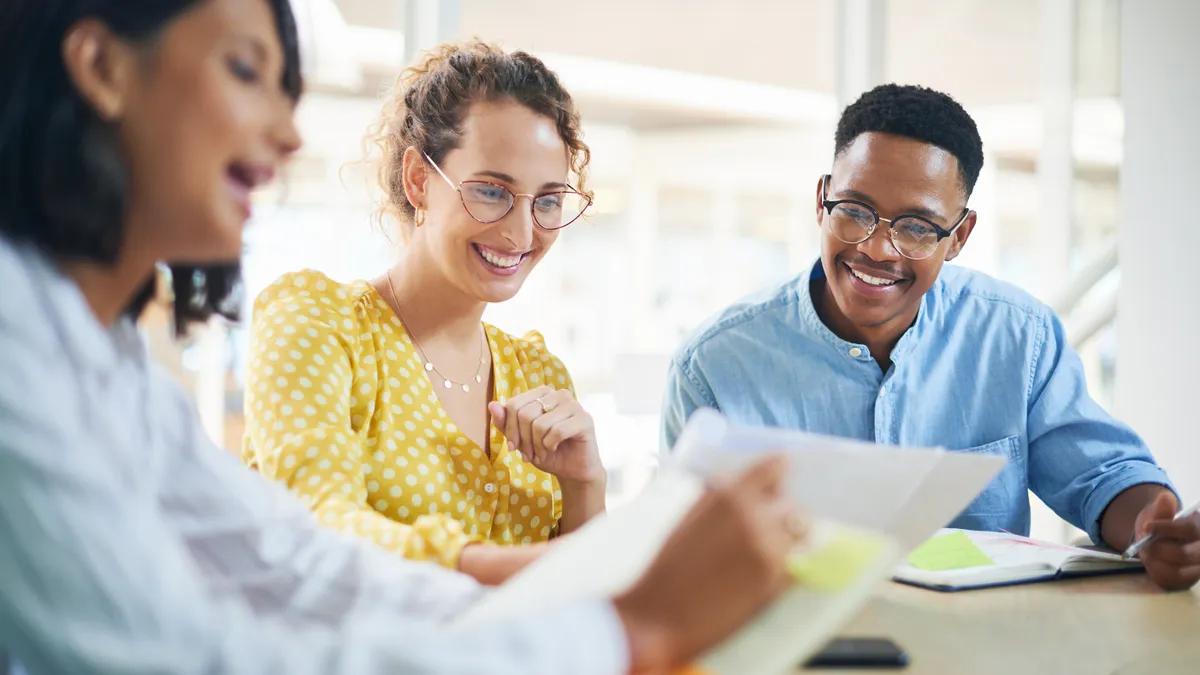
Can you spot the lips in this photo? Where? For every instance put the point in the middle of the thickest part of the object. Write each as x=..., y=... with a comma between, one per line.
x=499, y=261
x=872, y=279
x=872, y=282
x=244, y=177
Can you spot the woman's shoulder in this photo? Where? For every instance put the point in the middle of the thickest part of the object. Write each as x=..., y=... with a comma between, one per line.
x=312, y=293
x=529, y=351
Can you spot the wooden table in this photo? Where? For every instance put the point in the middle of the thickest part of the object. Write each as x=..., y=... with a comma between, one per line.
x=1120, y=625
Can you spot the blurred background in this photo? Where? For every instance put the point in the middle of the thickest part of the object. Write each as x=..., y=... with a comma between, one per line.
x=710, y=122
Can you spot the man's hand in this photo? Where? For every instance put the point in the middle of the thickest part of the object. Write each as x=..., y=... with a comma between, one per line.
x=1172, y=559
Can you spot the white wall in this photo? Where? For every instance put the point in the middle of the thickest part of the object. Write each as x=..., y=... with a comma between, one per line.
x=1158, y=325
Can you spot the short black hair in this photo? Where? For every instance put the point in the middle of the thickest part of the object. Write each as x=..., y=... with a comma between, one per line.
x=64, y=186
x=918, y=113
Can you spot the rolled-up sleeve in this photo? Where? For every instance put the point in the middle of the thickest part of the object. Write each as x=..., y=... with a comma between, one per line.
x=1080, y=457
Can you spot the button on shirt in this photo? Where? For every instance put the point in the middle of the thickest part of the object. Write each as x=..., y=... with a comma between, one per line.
x=985, y=368
x=130, y=544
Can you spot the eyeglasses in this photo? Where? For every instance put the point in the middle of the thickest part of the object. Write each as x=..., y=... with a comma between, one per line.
x=853, y=222
x=489, y=202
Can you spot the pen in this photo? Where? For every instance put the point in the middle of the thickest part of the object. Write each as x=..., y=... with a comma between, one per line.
x=1138, y=545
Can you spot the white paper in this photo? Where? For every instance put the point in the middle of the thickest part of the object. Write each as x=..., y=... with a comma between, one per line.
x=864, y=486
x=609, y=554
x=906, y=493
x=601, y=559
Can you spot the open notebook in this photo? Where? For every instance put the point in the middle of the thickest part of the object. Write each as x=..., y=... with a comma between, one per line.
x=959, y=560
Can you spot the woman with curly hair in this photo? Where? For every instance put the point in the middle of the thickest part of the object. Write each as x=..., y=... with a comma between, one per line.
x=388, y=405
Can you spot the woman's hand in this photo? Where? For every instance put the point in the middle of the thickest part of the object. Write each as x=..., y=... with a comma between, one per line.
x=553, y=432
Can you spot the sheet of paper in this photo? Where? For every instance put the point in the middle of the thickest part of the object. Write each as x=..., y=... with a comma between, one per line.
x=1013, y=549
x=602, y=559
x=833, y=561
x=952, y=551
x=861, y=497
x=838, y=569
x=907, y=493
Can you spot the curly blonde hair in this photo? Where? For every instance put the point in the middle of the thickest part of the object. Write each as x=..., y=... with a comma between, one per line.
x=427, y=103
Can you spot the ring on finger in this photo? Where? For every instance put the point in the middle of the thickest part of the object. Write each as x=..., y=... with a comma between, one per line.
x=546, y=407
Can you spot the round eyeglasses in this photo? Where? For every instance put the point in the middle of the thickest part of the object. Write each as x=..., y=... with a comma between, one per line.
x=853, y=222
x=488, y=202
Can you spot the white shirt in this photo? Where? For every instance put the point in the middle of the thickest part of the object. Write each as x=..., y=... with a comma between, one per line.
x=130, y=544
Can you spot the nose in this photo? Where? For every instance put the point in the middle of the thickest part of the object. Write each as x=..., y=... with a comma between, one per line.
x=285, y=135
x=517, y=227
x=879, y=246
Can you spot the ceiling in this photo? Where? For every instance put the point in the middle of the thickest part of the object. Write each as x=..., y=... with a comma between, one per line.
x=753, y=61
x=980, y=51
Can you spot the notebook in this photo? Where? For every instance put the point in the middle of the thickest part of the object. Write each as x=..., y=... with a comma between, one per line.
x=959, y=560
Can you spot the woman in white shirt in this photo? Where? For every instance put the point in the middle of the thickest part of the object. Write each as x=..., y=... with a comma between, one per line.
x=132, y=132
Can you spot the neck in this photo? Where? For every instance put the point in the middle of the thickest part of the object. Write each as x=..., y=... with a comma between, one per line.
x=880, y=339
x=108, y=289
x=431, y=305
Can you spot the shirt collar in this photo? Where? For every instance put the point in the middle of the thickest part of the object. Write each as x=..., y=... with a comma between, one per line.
x=86, y=341
x=854, y=350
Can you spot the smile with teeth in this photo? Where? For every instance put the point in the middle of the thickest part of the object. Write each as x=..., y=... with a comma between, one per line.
x=497, y=259
x=874, y=281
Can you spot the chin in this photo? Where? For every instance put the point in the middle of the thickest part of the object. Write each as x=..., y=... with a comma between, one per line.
x=494, y=293
x=218, y=244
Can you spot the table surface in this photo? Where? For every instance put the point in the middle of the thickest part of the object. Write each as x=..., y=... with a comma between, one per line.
x=1118, y=624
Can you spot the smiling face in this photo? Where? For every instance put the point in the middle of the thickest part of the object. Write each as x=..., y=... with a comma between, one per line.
x=508, y=145
x=871, y=285
x=202, y=120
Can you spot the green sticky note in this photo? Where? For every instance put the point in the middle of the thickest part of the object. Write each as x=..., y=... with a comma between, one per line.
x=838, y=562
x=953, y=551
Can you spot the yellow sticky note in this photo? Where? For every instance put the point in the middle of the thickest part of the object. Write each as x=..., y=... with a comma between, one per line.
x=835, y=564
x=948, y=552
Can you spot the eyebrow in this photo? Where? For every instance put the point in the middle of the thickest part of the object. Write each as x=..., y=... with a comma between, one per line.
x=912, y=211
x=509, y=179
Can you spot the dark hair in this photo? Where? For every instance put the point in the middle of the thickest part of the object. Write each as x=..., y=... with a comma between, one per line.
x=426, y=106
x=65, y=184
x=918, y=113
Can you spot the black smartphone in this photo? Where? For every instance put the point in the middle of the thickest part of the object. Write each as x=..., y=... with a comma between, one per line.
x=859, y=652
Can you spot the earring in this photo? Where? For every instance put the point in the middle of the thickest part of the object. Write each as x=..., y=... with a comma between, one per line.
x=419, y=217
x=199, y=290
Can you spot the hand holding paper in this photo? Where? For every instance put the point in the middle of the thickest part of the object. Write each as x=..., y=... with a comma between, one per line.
x=887, y=499
x=723, y=563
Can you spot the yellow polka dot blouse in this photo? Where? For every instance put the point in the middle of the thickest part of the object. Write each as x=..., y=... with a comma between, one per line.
x=339, y=409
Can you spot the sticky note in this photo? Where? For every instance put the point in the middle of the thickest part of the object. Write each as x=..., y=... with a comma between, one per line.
x=948, y=552
x=835, y=564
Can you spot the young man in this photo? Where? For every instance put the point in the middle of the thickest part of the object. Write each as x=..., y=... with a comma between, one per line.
x=879, y=342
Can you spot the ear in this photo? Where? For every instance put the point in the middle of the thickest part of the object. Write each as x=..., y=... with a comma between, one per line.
x=960, y=236
x=819, y=203
x=416, y=177
x=101, y=66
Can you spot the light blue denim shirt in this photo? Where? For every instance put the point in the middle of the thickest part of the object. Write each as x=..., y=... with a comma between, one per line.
x=985, y=368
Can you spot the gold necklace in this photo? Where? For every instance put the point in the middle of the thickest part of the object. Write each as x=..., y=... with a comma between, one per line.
x=428, y=365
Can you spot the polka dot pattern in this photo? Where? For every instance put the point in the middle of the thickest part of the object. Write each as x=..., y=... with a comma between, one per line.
x=339, y=409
